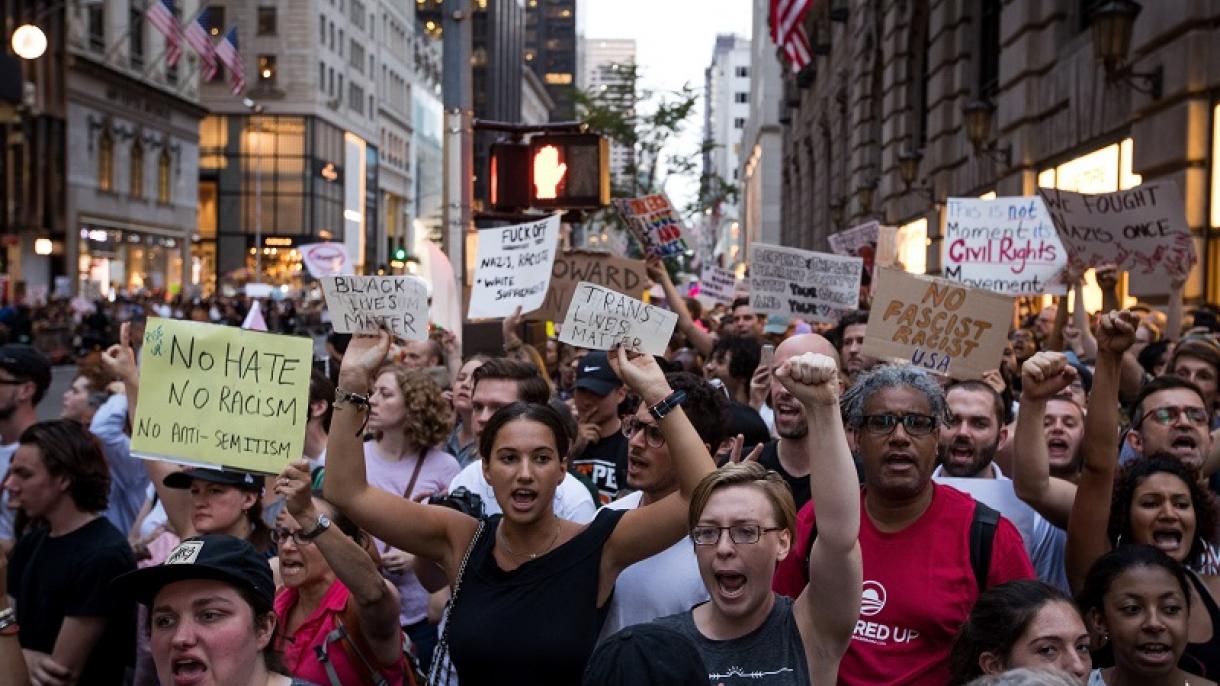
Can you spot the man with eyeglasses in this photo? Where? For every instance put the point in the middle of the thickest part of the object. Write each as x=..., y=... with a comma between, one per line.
x=922, y=574
x=25, y=375
x=669, y=581
x=1170, y=416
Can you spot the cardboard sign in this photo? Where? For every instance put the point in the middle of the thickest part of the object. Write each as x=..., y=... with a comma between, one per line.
x=718, y=284
x=598, y=318
x=1006, y=245
x=364, y=304
x=936, y=324
x=215, y=395
x=655, y=223
x=850, y=241
x=625, y=276
x=799, y=283
x=513, y=267
x=1141, y=229
x=325, y=259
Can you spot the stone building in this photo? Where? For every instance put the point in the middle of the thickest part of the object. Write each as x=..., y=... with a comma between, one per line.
x=902, y=85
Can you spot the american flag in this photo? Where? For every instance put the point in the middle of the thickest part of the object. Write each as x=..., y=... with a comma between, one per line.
x=161, y=15
x=226, y=51
x=788, y=31
x=196, y=35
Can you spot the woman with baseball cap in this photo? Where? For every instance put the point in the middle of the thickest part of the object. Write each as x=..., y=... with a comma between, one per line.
x=210, y=614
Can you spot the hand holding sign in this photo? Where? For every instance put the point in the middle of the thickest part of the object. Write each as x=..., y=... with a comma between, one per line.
x=365, y=304
x=641, y=373
x=1044, y=375
x=600, y=318
x=812, y=378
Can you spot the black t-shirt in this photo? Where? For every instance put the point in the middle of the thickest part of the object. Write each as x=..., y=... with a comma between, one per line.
x=605, y=462
x=799, y=484
x=69, y=576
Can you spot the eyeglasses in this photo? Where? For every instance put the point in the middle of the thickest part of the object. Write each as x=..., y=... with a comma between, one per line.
x=281, y=536
x=884, y=424
x=1169, y=415
x=652, y=433
x=738, y=533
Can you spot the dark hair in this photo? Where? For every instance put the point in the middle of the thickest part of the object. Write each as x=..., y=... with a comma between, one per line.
x=745, y=351
x=1151, y=354
x=322, y=390
x=739, y=302
x=705, y=406
x=68, y=449
x=1203, y=349
x=1138, y=471
x=1000, y=616
x=850, y=319
x=1107, y=568
x=976, y=386
x=534, y=412
x=531, y=387
x=1161, y=383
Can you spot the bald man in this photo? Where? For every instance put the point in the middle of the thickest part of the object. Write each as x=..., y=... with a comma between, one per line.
x=786, y=455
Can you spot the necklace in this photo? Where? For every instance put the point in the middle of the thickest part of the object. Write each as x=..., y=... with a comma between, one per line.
x=530, y=556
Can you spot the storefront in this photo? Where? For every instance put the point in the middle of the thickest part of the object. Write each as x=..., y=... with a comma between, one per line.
x=115, y=261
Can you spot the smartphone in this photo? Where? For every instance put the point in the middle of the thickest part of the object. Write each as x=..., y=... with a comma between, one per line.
x=768, y=354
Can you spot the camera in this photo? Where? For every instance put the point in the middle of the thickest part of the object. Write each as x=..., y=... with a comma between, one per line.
x=461, y=500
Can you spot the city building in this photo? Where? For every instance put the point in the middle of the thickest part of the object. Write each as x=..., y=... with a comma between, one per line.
x=551, y=51
x=536, y=102
x=427, y=138
x=605, y=72
x=762, y=158
x=391, y=63
x=909, y=102
x=726, y=105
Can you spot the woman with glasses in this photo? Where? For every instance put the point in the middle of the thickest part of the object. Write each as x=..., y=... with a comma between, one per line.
x=337, y=616
x=742, y=521
x=530, y=591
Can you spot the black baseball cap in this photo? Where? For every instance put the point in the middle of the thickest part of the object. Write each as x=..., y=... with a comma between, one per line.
x=227, y=477
x=595, y=375
x=26, y=363
x=643, y=655
x=212, y=556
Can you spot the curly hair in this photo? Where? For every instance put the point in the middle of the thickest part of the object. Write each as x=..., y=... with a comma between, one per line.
x=744, y=352
x=428, y=418
x=1202, y=500
x=892, y=376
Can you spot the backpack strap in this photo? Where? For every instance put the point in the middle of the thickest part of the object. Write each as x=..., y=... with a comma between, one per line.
x=983, y=526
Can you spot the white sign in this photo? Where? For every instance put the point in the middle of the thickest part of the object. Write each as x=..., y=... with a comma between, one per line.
x=325, y=259
x=1005, y=245
x=814, y=286
x=513, y=268
x=258, y=290
x=598, y=318
x=717, y=283
x=365, y=304
x=850, y=241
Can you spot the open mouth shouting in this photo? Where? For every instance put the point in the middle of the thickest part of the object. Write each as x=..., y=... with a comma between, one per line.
x=187, y=670
x=730, y=584
x=961, y=453
x=1171, y=541
x=1184, y=446
x=523, y=499
x=898, y=464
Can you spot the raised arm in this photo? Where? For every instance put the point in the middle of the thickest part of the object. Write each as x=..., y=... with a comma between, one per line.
x=1080, y=320
x=437, y=533
x=702, y=340
x=1087, y=539
x=1055, y=340
x=646, y=531
x=1178, y=274
x=375, y=597
x=1042, y=376
x=827, y=609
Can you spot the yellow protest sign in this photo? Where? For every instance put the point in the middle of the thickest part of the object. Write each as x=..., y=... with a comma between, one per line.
x=221, y=396
x=936, y=324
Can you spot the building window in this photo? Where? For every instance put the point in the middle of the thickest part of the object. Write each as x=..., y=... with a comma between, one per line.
x=912, y=242
x=216, y=20
x=266, y=21
x=135, y=38
x=741, y=98
x=163, y=194
x=989, y=48
x=739, y=122
x=332, y=35
x=356, y=56
x=339, y=46
x=105, y=161
x=357, y=14
x=355, y=98
x=372, y=109
x=266, y=70
x=330, y=82
x=322, y=76
x=322, y=29
x=742, y=72
x=339, y=90
x=137, y=169
x=97, y=27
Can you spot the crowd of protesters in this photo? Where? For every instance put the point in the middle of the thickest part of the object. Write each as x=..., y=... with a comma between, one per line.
x=764, y=504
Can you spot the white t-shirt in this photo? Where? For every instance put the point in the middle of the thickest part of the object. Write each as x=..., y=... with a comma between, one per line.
x=572, y=500
x=665, y=584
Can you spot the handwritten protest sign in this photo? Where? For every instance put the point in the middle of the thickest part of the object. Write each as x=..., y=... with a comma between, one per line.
x=325, y=259
x=1142, y=230
x=1006, y=245
x=513, y=267
x=598, y=318
x=936, y=324
x=717, y=283
x=850, y=241
x=655, y=223
x=800, y=283
x=221, y=396
x=610, y=271
x=364, y=304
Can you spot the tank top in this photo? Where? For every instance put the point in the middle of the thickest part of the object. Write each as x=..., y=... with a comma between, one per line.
x=537, y=624
x=1203, y=659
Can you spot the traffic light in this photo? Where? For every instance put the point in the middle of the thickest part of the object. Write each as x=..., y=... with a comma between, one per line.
x=400, y=253
x=569, y=171
x=508, y=176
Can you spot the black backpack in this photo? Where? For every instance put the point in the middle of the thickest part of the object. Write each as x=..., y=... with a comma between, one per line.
x=982, y=534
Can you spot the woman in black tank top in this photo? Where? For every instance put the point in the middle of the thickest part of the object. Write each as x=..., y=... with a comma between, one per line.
x=530, y=589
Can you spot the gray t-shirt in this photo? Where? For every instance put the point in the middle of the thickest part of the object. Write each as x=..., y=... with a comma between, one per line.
x=771, y=655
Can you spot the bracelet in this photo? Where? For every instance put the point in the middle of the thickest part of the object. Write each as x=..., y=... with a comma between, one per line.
x=667, y=405
x=8, y=617
x=344, y=398
x=10, y=629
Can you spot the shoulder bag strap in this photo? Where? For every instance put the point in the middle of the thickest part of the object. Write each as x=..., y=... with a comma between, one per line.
x=439, y=674
x=419, y=464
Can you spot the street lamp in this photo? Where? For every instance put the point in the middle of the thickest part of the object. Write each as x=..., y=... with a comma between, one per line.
x=29, y=42
x=908, y=170
x=864, y=195
x=980, y=114
x=836, y=210
x=1112, y=24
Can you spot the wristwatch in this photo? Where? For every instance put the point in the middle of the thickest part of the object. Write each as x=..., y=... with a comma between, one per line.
x=323, y=525
x=667, y=405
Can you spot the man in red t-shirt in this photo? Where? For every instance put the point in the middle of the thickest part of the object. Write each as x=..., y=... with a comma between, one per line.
x=919, y=585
